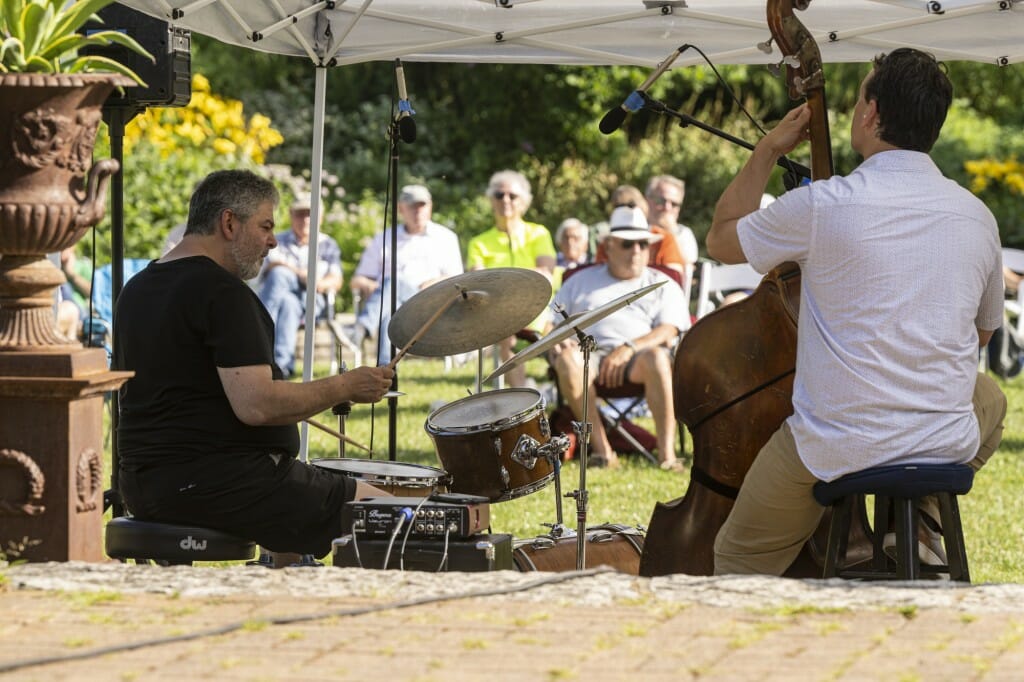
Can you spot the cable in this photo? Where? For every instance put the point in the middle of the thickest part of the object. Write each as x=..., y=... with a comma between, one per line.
x=444, y=557
x=355, y=545
x=288, y=620
x=732, y=93
x=404, y=515
x=405, y=539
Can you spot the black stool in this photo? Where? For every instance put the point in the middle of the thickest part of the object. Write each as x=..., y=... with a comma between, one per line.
x=169, y=545
x=899, y=486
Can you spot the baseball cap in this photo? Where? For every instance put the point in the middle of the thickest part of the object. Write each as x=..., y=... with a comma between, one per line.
x=414, y=194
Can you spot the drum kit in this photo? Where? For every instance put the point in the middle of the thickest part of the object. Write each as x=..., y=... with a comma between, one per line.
x=497, y=445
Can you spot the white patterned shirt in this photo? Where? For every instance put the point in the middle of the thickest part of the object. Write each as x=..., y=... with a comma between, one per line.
x=900, y=268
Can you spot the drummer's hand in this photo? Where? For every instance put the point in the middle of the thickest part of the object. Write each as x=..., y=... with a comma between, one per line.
x=368, y=384
x=613, y=368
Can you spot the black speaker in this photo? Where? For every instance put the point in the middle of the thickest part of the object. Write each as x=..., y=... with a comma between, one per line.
x=169, y=79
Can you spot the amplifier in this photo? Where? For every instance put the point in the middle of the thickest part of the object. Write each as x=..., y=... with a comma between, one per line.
x=473, y=555
x=454, y=516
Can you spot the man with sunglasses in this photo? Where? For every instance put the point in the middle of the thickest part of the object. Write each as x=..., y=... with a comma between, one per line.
x=633, y=344
x=665, y=195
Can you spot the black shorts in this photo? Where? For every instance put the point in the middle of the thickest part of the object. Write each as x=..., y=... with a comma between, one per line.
x=285, y=506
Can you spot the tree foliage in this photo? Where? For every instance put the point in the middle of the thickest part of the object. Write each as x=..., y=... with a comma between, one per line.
x=475, y=119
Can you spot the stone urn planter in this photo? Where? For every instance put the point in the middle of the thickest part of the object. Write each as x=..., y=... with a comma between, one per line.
x=51, y=193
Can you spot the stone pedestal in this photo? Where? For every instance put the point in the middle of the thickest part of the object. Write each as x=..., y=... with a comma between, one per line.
x=51, y=453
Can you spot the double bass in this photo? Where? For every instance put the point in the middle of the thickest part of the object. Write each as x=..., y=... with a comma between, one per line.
x=732, y=379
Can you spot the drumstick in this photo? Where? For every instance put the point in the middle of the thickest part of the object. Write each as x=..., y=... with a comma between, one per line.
x=423, y=330
x=337, y=434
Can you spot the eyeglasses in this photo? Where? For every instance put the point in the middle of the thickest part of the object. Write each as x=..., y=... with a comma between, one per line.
x=501, y=195
x=662, y=201
x=627, y=245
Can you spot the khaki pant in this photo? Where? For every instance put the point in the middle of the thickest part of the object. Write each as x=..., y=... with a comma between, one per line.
x=775, y=512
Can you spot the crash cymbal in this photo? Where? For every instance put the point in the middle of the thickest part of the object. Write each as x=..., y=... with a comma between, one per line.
x=568, y=328
x=491, y=305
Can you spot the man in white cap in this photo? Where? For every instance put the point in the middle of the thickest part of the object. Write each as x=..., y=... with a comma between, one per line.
x=634, y=343
x=282, y=281
x=427, y=253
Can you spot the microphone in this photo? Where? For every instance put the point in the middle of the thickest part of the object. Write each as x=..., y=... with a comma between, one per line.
x=635, y=102
x=406, y=125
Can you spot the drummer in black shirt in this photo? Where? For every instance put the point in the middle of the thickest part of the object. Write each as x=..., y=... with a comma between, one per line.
x=207, y=432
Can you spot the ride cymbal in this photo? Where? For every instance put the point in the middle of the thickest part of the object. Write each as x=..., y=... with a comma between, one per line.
x=491, y=305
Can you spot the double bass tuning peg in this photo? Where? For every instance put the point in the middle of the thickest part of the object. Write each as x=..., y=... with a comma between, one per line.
x=766, y=46
x=788, y=60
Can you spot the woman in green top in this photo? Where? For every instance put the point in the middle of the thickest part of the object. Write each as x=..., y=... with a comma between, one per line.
x=512, y=243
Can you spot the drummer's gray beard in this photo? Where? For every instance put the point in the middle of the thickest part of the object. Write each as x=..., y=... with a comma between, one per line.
x=247, y=258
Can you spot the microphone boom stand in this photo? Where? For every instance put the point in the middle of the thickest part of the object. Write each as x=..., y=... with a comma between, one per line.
x=795, y=170
x=393, y=136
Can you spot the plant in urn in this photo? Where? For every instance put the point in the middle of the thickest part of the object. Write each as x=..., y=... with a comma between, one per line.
x=51, y=191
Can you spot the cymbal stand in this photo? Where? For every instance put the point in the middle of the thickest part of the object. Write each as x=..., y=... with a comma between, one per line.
x=558, y=528
x=583, y=429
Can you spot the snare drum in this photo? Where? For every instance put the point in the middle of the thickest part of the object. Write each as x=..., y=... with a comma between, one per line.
x=488, y=443
x=611, y=544
x=397, y=478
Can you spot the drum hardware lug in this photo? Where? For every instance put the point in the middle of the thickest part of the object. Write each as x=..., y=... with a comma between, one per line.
x=505, y=478
x=526, y=451
x=554, y=448
x=559, y=530
x=545, y=427
x=496, y=444
x=543, y=542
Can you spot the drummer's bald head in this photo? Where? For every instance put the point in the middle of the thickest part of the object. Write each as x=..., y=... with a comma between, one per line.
x=238, y=191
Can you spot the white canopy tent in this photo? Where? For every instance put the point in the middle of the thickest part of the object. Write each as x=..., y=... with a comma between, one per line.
x=637, y=32
x=598, y=32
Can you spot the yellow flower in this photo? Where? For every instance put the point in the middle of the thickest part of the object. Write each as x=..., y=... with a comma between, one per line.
x=222, y=146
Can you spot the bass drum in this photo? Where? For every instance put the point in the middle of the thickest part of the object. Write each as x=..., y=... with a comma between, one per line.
x=396, y=478
x=610, y=544
x=488, y=443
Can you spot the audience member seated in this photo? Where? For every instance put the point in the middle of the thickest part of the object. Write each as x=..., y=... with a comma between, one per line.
x=427, y=253
x=74, y=293
x=282, y=281
x=512, y=243
x=573, y=240
x=633, y=344
x=665, y=251
x=665, y=195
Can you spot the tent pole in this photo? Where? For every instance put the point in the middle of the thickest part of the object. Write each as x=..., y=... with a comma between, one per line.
x=393, y=138
x=316, y=210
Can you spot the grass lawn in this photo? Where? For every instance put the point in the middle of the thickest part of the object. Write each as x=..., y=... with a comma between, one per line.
x=992, y=512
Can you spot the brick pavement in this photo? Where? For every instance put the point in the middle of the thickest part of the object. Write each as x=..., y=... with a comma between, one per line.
x=615, y=628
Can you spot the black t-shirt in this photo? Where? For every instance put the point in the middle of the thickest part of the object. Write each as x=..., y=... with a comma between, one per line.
x=176, y=323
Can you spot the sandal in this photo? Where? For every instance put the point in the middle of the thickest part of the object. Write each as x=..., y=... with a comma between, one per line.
x=675, y=465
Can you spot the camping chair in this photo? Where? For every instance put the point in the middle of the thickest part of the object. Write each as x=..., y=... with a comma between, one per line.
x=617, y=405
